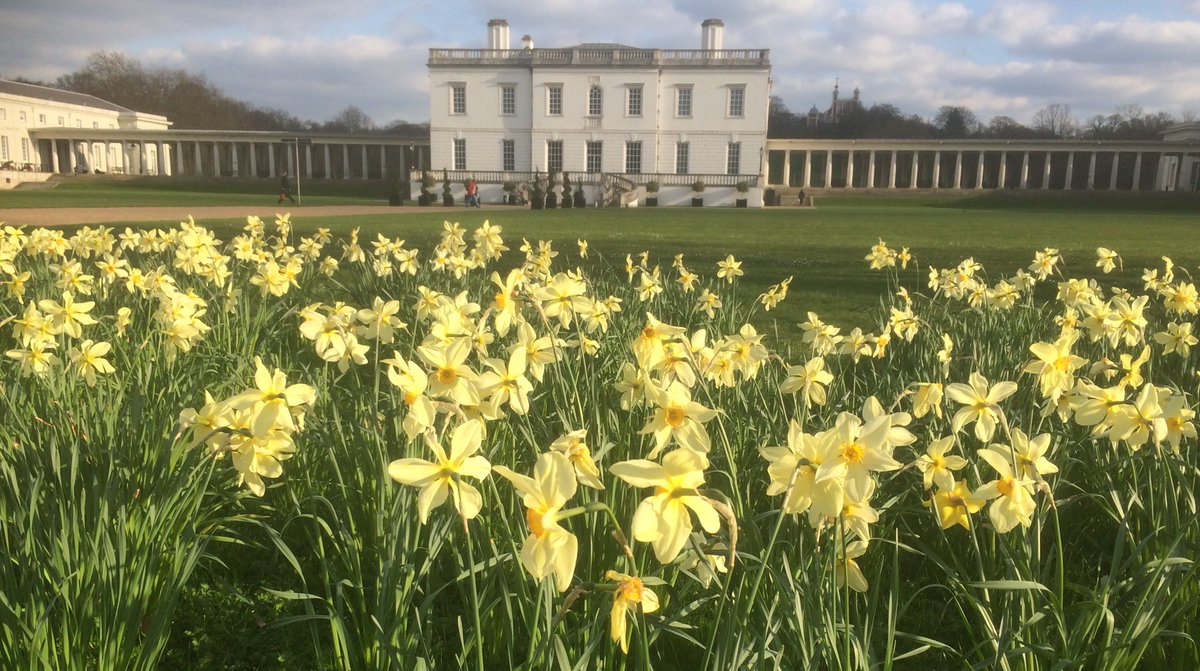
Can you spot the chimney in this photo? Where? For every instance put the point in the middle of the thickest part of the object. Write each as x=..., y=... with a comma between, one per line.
x=498, y=34
x=526, y=42
x=712, y=34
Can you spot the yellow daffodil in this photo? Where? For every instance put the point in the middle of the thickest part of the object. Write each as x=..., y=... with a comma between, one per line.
x=88, y=360
x=981, y=404
x=663, y=518
x=574, y=447
x=937, y=467
x=549, y=549
x=1010, y=494
x=677, y=417
x=443, y=477
x=631, y=594
x=955, y=506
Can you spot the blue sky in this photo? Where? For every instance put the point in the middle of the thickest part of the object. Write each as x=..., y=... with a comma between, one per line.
x=313, y=58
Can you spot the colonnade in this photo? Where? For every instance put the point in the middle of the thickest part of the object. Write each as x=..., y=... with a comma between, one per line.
x=237, y=157
x=1164, y=166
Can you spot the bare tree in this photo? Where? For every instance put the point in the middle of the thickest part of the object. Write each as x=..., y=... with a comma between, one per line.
x=956, y=121
x=1056, y=120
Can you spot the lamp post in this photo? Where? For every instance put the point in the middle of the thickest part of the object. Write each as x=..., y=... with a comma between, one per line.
x=297, y=142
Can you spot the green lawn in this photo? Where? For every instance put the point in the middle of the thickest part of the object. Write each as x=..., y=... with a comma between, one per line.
x=822, y=248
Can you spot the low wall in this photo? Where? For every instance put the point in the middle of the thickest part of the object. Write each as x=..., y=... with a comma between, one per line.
x=9, y=179
x=668, y=196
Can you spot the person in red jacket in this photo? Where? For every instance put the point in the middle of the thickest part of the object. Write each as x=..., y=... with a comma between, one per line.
x=472, y=193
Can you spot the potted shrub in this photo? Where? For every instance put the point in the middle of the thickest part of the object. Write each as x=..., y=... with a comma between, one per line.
x=447, y=197
x=395, y=193
x=698, y=189
x=537, y=197
x=427, y=182
x=743, y=188
x=652, y=188
x=580, y=201
x=567, y=200
x=551, y=195
x=510, y=193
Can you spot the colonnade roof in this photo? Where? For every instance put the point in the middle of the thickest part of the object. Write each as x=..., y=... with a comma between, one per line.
x=864, y=144
x=175, y=135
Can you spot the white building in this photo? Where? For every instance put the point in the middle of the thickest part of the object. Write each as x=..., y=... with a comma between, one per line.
x=26, y=108
x=594, y=110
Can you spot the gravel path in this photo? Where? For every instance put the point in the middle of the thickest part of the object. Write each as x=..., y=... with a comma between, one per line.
x=65, y=216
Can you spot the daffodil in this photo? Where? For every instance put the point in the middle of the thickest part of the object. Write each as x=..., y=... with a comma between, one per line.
x=445, y=476
x=677, y=417
x=808, y=380
x=574, y=447
x=730, y=269
x=70, y=316
x=846, y=570
x=956, y=505
x=1029, y=454
x=1010, y=494
x=1055, y=365
x=549, y=549
x=273, y=401
x=851, y=451
x=506, y=384
x=88, y=360
x=631, y=594
x=981, y=404
x=937, y=467
x=662, y=519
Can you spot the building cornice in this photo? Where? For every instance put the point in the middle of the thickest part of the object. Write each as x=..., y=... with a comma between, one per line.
x=606, y=57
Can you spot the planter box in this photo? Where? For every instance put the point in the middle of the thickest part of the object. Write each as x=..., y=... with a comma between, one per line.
x=697, y=202
x=741, y=202
x=651, y=201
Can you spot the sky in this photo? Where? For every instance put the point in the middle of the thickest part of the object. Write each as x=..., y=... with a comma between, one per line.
x=313, y=58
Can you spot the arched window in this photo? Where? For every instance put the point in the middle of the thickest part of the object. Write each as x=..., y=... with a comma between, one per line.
x=595, y=101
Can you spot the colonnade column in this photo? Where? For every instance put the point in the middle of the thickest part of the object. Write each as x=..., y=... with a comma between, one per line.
x=308, y=161
x=253, y=160
x=1003, y=170
x=937, y=169
x=850, y=169
x=71, y=156
x=1092, y=171
x=1070, y=170
x=1137, y=173
x=1025, y=170
x=913, y=176
x=271, y=159
x=199, y=163
x=345, y=161
x=1112, y=177
x=871, y=171
x=291, y=158
x=787, y=167
x=892, y=171
x=216, y=159
x=364, y=161
x=233, y=159
x=178, y=157
x=1046, y=173
x=958, y=170
x=807, y=170
x=54, y=156
x=979, y=171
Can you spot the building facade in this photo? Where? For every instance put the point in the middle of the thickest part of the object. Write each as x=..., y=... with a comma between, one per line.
x=668, y=115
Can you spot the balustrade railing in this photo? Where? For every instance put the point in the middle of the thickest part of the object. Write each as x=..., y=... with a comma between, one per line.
x=600, y=56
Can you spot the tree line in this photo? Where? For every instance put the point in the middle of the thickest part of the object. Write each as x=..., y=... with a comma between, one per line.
x=1055, y=121
x=191, y=101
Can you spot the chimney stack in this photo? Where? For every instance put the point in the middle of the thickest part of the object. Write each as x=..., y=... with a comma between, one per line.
x=498, y=34
x=527, y=42
x=712, y=34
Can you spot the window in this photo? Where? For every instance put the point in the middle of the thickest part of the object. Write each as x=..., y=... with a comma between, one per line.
x=3, y=114
x=595, y=101
x=633, y=101
x=554, y=155
x=683, y=101
x=22, y=115
x=554, y=100
x=42, y=119
x=733, y=159
x=460, y=154
x=508, y=154
x=62, y=121
x=25, y=149
x=79, y=123
x=3, y=147
x=95, y=124
x=594, y=157
x=458, y=98
x=681, y=158
x=633, y=157
x=508, y=100
x=737, y=101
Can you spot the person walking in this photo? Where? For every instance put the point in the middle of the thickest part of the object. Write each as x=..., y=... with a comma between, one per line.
x=285, y=188
x=472, y=193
